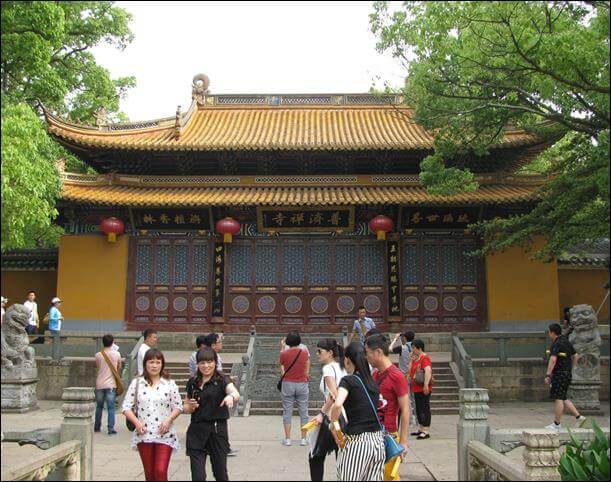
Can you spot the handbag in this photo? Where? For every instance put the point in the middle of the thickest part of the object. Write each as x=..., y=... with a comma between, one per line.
x=115, y=374
x=419, y=375
x=279, y=385
x=130, y=426
x=391, y=446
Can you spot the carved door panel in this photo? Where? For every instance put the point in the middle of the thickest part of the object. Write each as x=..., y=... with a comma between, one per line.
x=304, y=281
x=441, y=283
x=169, y=281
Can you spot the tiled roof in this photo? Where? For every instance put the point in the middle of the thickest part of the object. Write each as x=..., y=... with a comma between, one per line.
x=595, y=254
x=270, y=128
x=135, y=191
x=30, y=260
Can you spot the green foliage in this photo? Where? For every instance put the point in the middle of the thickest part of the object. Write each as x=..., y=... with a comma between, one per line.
x=475, y=68
x=30, y=181
x=46, y=59
x=590, y=462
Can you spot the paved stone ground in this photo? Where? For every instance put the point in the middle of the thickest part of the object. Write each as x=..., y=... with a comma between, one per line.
x=262, y=457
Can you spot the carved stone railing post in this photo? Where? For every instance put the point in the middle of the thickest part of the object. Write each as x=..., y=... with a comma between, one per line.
x=585, y=337
x=78, y=409
x=541, y=454
x=472, y=424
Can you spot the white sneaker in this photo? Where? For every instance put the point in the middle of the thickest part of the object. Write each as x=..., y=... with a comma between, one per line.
x=581, y=421
x=287, y=442
x=303, y=442
x=553, y=426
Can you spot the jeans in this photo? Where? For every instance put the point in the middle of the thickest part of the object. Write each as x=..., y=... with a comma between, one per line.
x=107, y=395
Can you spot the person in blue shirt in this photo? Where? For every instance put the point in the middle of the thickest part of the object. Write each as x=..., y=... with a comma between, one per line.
x=55, y=316
x=362, y=325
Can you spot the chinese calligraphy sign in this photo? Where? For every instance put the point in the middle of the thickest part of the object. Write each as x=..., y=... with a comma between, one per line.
x=442, y=218
x=394, y=306
x=292, y=219
x=171, y=219
x=219, y=270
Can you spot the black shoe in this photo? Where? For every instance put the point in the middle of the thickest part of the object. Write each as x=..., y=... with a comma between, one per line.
x=415, y=434
x=232, y=452
x=423, y=436
x=96, y=430
x=112, y=432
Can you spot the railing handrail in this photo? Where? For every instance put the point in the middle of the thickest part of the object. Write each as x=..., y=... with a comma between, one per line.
x=247, y=371
x=54, y=455
x=509, y=469
x=463, y=362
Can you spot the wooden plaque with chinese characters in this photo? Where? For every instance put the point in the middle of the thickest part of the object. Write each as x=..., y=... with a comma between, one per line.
x=172, y=219
x=302, y=219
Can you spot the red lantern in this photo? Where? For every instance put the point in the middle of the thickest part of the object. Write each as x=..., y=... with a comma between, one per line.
x=228, y=227
x=112, y=226
x=381, y=225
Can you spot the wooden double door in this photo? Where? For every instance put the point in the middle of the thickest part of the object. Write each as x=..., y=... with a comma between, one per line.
x=304, y=281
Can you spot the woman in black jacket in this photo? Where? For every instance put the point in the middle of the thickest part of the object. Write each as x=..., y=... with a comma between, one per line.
x=210, y=396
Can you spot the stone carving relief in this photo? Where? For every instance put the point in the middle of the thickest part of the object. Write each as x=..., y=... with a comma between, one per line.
x=16, y=349
x=586, y=340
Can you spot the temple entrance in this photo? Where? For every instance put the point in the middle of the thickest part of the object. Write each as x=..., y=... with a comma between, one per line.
x=315, y=283
x=169, y=281
x=443, y=288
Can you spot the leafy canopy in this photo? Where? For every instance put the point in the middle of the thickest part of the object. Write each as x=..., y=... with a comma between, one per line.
x=476, y=67
x=46, y=58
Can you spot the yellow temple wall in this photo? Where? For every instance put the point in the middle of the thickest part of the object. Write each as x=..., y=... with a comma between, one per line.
x=16, y=284
x=584, y=286
x=522, y=293
x=92, y=281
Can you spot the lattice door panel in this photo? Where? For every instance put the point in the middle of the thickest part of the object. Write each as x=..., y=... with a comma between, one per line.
x=169, y=281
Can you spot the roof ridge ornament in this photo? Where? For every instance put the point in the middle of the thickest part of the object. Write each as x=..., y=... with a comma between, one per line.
x=201, y=82
x=101, y=117
x=178, y=123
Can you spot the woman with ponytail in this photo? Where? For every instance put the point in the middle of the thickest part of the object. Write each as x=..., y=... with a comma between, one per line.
x=363, y=454
x=331, y=356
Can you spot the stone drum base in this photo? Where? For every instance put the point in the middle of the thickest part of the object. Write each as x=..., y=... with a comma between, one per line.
x=19, y=391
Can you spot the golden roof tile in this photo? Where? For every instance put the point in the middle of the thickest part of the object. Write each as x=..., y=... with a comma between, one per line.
x=201, y=191
x=275, y=128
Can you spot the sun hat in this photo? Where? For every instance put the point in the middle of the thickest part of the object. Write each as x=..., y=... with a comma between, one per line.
x=56, y=300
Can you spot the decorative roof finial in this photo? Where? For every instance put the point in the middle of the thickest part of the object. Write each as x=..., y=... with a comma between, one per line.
x=201, y=82
x=178, y=123
x=101, y=117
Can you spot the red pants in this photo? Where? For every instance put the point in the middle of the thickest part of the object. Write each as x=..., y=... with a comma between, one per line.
x=155, y=459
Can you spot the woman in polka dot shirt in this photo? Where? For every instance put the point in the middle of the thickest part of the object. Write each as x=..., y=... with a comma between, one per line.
x=159, y=404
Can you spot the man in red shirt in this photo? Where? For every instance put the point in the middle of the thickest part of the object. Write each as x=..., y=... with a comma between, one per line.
x=394, y=394
x=422, y=389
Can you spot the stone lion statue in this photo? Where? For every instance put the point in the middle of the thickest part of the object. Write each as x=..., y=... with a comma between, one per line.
x=584, y=327
x=16, y=349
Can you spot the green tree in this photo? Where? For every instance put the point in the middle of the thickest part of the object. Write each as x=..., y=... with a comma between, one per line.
x=46, y=60
x=476, y=67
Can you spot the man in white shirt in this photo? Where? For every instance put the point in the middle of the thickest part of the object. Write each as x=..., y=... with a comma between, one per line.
x=150, y=340
x=32, y=307
x=362, y=325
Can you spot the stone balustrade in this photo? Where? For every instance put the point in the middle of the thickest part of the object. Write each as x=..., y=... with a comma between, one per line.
x=482, y=449
x=65, y=457
x=67, y=452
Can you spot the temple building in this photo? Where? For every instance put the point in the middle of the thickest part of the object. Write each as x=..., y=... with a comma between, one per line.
x=289, y=211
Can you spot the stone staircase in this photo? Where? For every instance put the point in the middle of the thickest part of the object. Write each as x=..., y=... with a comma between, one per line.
x=265, y=398
x=180, y=374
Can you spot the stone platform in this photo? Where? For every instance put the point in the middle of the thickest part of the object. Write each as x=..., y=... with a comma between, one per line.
x=262, y=457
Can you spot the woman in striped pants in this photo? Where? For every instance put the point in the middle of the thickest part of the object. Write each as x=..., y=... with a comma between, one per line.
x=362, y=457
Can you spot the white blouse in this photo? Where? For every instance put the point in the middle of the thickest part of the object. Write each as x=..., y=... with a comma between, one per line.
x=155, y=404
x=331, y=370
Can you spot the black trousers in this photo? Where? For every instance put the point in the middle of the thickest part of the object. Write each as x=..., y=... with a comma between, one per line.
x=317, y=466
x=198, y=465
x=423, y=408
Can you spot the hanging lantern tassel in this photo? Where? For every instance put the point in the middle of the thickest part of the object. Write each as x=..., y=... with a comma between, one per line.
x=228, y=227
x=381, y=225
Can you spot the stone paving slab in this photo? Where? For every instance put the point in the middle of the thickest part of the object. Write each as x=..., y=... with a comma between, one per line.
x=261, y=455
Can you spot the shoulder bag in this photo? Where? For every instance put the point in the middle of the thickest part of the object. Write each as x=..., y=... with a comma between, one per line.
x=279, y=385
x=130, y=426
x=419, y=374
x=391, y=446
x=115, y=374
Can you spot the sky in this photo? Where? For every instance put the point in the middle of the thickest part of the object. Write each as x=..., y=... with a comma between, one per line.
x=246, y=47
